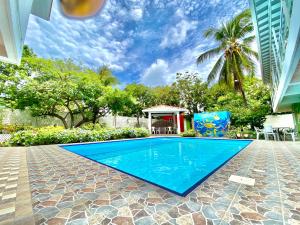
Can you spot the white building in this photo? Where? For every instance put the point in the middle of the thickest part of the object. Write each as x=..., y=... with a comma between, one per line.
x=277, y=26
x=169, y=119
x=14, y=16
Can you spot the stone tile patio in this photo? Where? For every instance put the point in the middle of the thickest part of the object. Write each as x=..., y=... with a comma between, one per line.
x=68, y=189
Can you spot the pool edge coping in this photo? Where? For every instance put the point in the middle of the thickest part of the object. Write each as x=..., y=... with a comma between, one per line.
x=150, y=137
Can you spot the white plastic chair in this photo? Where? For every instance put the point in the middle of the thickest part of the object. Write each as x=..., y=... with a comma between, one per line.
x=288, y=132
x=153, y=130
x=174, y=130
x=169, y=130
x=268, y=130
x=258, y=132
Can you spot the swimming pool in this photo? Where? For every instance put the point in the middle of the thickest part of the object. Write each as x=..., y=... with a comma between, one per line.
x=175, y=164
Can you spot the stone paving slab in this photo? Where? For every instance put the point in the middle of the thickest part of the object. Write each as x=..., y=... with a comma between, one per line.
x=15, y=197
x=69, y=189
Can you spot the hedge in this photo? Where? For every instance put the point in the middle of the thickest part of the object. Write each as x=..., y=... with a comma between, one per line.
x=189, y=133
x=58, y=135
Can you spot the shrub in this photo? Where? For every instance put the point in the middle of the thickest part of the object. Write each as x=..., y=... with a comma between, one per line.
x=231, y=134
x=57, y=135
x=189, y=133
x=7, y=128
x=240, y=133
x=92, y=126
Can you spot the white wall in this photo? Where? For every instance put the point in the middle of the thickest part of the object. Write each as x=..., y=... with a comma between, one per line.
x=19, y=117
x=284, y=120
x=122, y=121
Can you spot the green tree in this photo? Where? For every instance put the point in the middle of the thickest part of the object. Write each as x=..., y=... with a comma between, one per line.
x=12, y=75
x=234, y=53
x=55, y=88
x=142, y=98
x=166, y=95
x=221, y=98
x=28, y=52
x=106, y=76
x=118, y=101
x=191, y=92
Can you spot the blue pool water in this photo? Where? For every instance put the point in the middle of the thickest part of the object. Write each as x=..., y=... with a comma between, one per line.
x=176, y=164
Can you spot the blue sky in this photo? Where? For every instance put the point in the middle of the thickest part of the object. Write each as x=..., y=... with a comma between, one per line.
x=143, y=41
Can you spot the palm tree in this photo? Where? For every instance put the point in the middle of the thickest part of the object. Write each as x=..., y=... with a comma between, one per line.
x=235, y=55
x=106, y=76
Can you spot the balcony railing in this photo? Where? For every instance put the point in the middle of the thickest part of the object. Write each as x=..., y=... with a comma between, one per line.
x=279, y=41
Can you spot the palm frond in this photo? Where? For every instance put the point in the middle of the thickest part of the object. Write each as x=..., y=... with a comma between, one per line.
x=243, y=17
x=210, y=32
x=249, y=51
x=220, y=35
x=241, y=24
x=252, y=66
x=246, y=61
x=248, y=40
x=216, y=69
x=208, y=54
x=226, y=74
x=227, y=29
x=246, y=30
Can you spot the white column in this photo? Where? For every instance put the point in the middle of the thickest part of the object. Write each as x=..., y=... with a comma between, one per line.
x=178, y=123
x=150, y=122
x=184, y=124
x=174, y=121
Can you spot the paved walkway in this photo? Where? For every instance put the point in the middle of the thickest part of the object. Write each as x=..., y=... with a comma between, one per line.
x=15, y=197
x=68, y=189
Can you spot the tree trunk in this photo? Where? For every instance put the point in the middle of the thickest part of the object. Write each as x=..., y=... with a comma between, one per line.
x=63, y=120
x=84, y=120
x=244, y=96
x=138, y=121
x=239, y=87
x=95, y=113
x=72, y=120
x=115, y=120
x=71, y=115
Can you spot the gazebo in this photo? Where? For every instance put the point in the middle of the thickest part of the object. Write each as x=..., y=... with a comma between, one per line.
x=171, y=117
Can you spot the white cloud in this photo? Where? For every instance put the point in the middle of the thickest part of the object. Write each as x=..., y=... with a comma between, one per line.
x=157, y=74
x=214, y=2
x=137, y=14
x=116, y=67
x=166, y=30
x=164, y=72
x=177, y=35
x=80, y=39
x=179, y=13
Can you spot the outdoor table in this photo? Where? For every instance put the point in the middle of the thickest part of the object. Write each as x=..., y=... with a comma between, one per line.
x=279, y=129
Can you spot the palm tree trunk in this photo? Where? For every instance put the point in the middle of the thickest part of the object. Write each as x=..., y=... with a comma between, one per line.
x=244, y=96
x=239, y=87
